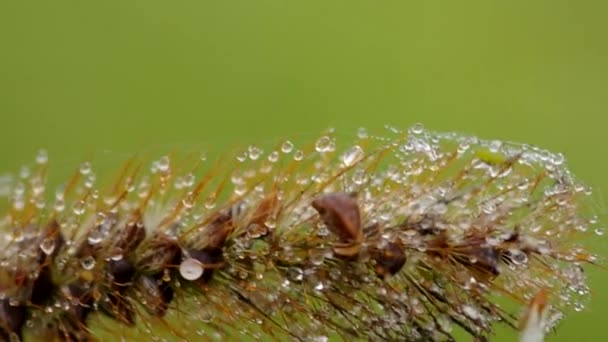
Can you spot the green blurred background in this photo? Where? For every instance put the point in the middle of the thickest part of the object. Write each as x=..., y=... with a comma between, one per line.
x=79, y=77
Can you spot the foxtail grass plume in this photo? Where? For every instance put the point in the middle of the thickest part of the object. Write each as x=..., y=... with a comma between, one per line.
x=412, y=235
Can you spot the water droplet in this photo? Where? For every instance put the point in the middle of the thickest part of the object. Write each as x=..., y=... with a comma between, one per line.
x=88, y=263
x=241, y=157
x=470, y=312
x=191, y=269
x=188, y=202
x=362, y=133
x=117, y=255
x=298, y=155
x=25, y=172
x=417, y=128
x=42, y=157
x=287, y=146
x=599, y=231
x=188, y=180
x=353, y=155
x=79, y=208
x=85, y=168
x=494, y=146
x=319, y=286
x=163, y=164
x=48, y=245
x=95, y=237
x=558, y=159
x=254, y=152
x=273, y=157
x=210, y=203
x=295, y=274
x=359, y=177
x=59, y=205
x=517, y=256
x=323, y=144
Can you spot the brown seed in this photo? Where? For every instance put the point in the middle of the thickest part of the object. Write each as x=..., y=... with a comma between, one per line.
x=480, y=259
x=42, y=286
x=340, y=212
x=217, y=232
x=121, y=271
x=12, y=318
x=389, y=260
x=81, y=301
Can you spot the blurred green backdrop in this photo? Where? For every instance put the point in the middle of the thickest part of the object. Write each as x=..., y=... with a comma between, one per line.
x=79, y=77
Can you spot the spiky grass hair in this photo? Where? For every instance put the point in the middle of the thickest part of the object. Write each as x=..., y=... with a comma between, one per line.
x=400, y=237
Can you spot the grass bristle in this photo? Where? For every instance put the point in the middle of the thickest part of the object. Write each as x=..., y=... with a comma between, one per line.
x=401, y=237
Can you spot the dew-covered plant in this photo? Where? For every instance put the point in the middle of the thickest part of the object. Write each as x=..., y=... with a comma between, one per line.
x=407, y=236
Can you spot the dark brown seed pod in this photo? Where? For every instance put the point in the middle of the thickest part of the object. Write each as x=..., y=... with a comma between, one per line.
x=389, y=260
x=482, y=259
x=340, y=212
x=217, y=231
x=42, y=286
x=81, y=301
x=12, y=318
x=121, y=272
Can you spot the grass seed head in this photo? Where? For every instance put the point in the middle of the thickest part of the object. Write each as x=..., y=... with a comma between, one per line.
x=396, y=237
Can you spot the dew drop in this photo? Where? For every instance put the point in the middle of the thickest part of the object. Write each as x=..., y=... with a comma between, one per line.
x=241, y=157
x=298, y=155
x=417, y=128
x=59, y=205
x=42, y=157
x=273, y=157
x=353, y=155
x=85, y=168
x=188, y=180
x=599, y=231
x=470, y=312
x=359, y=177
x=25, y=172
x=287, y=146
x=495, y=146
x=95, y=237
x=254, y=152
x=48, y=245
x=163, y=164
x=323, y=144
x=88, y=263
x=79, y=208
x=191, y=269
x=362, y=133
x=295, y=274
x=117, y=255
